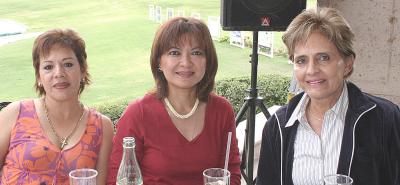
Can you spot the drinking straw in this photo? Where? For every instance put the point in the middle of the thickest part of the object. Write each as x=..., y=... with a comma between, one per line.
x=228, y=146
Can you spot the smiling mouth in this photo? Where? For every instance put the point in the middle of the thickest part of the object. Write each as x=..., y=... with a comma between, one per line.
x=315, y=82
x=185, y=74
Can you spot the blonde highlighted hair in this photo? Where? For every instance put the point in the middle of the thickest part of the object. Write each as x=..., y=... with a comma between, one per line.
x=327, y=21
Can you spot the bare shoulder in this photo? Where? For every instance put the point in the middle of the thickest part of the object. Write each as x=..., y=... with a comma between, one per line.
x=9, y=114
x=107, y=125
x=12, y=106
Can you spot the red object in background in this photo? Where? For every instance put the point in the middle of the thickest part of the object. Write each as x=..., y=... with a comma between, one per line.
x=265, y=21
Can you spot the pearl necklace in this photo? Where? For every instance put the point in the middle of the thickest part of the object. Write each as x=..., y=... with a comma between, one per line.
x=176, y=114
x=63, y=141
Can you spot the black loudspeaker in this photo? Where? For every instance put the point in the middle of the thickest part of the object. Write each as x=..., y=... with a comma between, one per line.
x=259, y=15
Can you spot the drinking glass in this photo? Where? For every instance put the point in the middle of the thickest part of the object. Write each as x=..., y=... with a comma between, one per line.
x=84, y=176
x=338, y=179
x=216, y=176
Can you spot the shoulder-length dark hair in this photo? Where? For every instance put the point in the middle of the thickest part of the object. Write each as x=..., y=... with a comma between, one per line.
x=170, y=34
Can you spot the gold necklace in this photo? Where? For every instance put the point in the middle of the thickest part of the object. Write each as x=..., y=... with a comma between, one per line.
x=180, y=116
x=63, y=141
x=316, y=117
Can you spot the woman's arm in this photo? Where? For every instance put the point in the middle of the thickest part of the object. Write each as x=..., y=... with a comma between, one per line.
x=269, y=170
x=8, y=117
x=105, y=150
x=394, y=148
x=234, y=156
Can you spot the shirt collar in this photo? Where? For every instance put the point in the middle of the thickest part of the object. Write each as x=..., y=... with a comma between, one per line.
x=341, y=105
x=339, y=108
x=296, y=115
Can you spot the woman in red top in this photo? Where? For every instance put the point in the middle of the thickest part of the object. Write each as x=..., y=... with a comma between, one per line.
x=181, y=128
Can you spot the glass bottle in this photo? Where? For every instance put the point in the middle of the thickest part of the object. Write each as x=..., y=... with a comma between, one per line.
x=129, y=171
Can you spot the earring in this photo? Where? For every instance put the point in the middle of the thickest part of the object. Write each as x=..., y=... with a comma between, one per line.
x=39, y=84
x=159, y=69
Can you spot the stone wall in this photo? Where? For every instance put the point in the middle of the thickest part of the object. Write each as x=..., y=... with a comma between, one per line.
x=376, y=24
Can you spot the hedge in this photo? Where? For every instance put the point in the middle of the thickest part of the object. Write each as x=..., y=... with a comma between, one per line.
x=113, y=110
x=273, y=88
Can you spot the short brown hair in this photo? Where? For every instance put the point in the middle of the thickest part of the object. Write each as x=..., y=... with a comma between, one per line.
x=171, y=34
x=65, y=38
x=327, y=21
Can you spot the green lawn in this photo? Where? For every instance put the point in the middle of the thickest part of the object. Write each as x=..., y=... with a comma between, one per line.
x=118, y=36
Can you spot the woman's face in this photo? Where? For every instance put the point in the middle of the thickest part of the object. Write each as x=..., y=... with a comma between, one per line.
x=319, y=67
x=183, y=65
x=60, y=73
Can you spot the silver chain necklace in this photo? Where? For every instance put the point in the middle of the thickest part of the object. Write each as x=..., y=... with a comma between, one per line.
x=63, y=141
x=180, y=116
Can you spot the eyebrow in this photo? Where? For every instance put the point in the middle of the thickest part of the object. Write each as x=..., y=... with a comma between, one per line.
x=197, y=47
x=300, y=56
x=177, y=47
x=323, y=53
x=64, y=59
x=316, y=54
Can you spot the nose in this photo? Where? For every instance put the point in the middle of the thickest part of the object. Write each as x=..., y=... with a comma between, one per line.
x=186, y=59
x=312, y=67
x=59, y=71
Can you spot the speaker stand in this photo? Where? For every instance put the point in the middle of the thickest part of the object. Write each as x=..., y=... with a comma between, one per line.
x=251, y=102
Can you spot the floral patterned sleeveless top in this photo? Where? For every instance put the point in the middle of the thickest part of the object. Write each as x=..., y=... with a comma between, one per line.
x=33, y=159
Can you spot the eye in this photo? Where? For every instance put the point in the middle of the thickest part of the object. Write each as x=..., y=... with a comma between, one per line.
x=48, y=67
x=68, y=64
x=323, y=57
x=197, y=52
x=174, y=53
x=299, y=61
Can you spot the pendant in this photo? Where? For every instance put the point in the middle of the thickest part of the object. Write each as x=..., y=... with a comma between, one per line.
x=63, y=143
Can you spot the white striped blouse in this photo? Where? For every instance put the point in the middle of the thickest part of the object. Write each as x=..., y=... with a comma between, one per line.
x=314, y=156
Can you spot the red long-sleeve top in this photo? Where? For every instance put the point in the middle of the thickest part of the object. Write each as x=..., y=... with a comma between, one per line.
x=164, y=155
